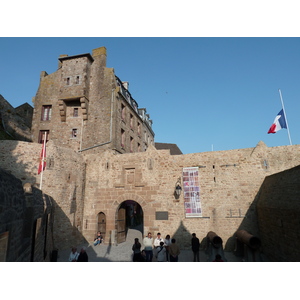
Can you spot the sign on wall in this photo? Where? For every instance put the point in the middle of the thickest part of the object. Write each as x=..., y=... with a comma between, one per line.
x=191, y=192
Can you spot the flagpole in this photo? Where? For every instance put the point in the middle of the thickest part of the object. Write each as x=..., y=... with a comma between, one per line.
x=43, y=158
x=287, y=126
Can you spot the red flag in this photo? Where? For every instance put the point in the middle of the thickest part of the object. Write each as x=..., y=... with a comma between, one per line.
x=42, y=164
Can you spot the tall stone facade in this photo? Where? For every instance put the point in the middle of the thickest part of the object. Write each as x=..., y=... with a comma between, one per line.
x=85, y=106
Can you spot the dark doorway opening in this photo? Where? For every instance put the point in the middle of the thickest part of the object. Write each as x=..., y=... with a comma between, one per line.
x=102, y=224
x=130, y=216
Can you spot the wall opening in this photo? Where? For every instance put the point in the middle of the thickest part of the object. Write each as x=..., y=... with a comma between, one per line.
x=101, y=226
x=129, y=216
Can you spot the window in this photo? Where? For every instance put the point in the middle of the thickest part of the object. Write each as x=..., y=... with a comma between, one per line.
x=131, y=144
x=75, y=112
x=77, y=80
x=46, y=112
x=122, y=138
x=123, y=112
x=42, y=135
x=68, y=81
x=74, y=133
x=139, y=128
x=131, y=121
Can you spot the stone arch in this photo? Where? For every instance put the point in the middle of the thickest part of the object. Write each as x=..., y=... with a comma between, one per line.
x=101, y=224
x=129, y=215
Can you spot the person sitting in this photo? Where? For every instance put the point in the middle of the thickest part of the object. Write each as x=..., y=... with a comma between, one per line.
x=98, y=240
x=74, y=254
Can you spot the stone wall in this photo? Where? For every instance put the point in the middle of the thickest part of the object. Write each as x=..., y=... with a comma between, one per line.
x=16, y=122
x=63, y=180
x=278, y=210
x=26, y=222
x=229, y=182
x=232, y=183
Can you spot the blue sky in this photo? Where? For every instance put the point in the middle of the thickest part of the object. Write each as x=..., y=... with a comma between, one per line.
x=202, y=93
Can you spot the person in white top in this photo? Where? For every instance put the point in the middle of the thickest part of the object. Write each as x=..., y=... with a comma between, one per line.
x=158, y=240
x=73, y=255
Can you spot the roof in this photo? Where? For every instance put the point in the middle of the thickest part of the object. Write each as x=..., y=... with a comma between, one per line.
x=174, y=150
x=88, y=55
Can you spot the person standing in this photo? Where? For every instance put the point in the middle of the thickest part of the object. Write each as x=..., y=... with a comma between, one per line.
x=195, y=247
x=83, y=257
x=136, y=248
x=148, y=247
x=167, y=244
x=174, y=251
x=158, y=240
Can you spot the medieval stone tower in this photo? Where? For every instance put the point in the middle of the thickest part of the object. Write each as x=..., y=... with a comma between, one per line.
x=86, y=107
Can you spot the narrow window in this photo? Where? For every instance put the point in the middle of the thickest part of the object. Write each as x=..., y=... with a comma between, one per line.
x=139, y=128
x=42, y=135
x=123, y=112
x=46, y=112
x=74, y=133
x=131, y=121
x=75, y=112
x=77, y=80
x=68, y=80
x=131, y=144
x=122, y=138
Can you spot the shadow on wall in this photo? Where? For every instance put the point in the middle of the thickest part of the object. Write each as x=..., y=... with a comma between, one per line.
x=27, y=214
x=249, y=223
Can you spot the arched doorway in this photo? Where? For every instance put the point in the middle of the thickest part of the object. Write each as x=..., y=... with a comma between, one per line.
x=129, y=216
x=102, y=224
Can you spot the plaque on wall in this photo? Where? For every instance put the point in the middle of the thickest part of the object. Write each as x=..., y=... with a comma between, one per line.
x=162, y=215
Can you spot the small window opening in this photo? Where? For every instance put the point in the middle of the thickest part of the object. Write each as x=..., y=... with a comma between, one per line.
x=75, y=112
x=74, y=133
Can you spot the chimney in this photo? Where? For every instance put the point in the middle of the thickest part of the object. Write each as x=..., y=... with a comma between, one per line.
x=125, y=84
x=59, y=62
x=100, y=53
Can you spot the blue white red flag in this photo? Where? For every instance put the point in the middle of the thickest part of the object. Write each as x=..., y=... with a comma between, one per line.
x=279, y=123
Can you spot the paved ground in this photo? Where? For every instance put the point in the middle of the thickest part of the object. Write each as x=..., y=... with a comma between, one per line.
x=123, y=252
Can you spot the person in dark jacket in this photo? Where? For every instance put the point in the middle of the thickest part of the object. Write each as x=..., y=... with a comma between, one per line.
x=195, y=247
x=83, y=257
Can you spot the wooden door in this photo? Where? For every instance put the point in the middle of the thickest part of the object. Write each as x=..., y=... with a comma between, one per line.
x=102, y=224
x=121, y=225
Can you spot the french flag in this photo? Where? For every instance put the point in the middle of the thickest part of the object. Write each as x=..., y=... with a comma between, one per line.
x=278, y=123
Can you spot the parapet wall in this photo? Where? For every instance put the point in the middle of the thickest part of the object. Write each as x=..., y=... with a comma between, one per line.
x=278, y=209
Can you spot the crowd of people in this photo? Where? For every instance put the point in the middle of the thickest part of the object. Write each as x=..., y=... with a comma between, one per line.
x=164, y=250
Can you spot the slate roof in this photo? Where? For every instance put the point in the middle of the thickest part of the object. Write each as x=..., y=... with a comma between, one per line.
x=174, y=150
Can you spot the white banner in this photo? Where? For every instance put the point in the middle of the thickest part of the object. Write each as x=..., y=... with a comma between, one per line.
x=191, y=190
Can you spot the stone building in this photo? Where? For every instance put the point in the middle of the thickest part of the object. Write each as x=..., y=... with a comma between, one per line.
x=85, y=106
x=105, y=173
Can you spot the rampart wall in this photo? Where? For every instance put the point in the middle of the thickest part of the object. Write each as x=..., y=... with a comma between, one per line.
x=26, y=221
x=63, y=180
x=229, y=183
x=278, y=210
